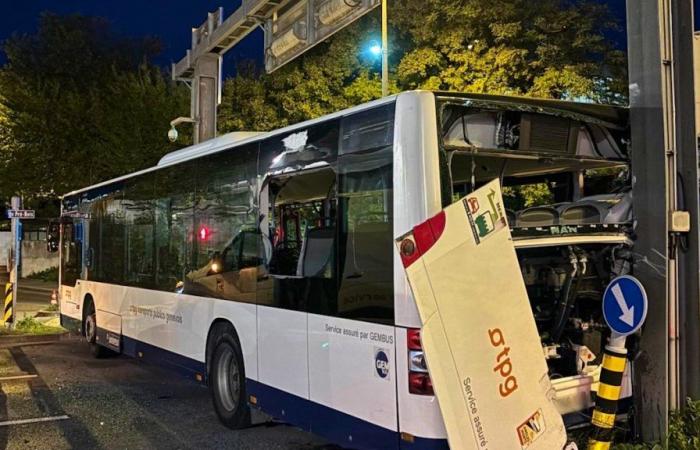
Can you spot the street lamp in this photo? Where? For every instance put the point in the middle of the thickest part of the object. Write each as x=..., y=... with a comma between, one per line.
x=375, y=48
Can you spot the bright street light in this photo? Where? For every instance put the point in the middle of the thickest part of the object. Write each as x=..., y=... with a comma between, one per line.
x=375, y=49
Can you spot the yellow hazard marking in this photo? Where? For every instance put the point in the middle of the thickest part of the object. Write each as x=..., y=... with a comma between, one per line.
x=614, y=363
x=603, y=420
x=598, y=445
x=609, y=392
x=7, y=309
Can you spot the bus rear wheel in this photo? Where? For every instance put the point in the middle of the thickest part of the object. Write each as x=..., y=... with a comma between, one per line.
x=227, y=380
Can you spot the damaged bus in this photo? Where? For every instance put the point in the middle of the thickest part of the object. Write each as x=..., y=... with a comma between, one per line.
x=263, y=264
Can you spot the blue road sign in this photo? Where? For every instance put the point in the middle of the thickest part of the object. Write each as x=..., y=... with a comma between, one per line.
x=625, y=305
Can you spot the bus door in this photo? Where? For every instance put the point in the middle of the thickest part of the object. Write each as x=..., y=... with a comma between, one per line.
x=71, y=256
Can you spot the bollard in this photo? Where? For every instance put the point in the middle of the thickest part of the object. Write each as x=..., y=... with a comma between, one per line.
x=603, y=420
x=8, y=304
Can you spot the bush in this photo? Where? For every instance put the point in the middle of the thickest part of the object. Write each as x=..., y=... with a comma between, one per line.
x=683, y=431
x=46, y=275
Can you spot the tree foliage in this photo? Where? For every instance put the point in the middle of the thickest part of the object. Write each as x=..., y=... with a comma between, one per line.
x=78, y=105
x=547, y=48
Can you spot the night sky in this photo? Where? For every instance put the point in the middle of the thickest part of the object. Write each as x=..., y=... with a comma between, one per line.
x=169, y=20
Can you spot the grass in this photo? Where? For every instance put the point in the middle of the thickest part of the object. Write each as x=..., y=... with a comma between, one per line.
x=31, y=326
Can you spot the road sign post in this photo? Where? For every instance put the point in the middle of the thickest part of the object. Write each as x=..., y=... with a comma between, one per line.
x=16, y=204
x=624, y=309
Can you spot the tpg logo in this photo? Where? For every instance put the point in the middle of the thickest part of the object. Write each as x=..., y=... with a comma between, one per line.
x=381, y=363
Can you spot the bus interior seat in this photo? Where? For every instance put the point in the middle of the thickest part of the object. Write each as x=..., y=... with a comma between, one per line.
x=582, y=213
x=316, y=252
x=511, y=216
x=603, y=208
x=537, y=216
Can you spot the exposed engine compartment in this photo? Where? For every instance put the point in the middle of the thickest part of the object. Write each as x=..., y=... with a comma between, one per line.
x=565, y=285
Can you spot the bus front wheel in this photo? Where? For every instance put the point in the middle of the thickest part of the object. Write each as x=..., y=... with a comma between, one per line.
x=227, y=379
x=96, y=349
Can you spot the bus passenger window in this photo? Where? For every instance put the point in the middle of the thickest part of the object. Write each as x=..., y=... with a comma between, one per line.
x=303, y=231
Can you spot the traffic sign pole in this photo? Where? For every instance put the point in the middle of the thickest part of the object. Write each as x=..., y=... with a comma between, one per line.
x=16, y=204
x=624, y=310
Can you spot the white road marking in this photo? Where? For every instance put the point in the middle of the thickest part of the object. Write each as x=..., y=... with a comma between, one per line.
x=17, y=377
x=35, y=420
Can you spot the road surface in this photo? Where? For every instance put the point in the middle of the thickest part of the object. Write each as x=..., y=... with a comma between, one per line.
x=117, y=403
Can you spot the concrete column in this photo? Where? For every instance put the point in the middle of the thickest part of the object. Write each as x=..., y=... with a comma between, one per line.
x=205, y=96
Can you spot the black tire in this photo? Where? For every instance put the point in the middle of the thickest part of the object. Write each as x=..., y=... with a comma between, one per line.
x=227, y=378
x=90, y=332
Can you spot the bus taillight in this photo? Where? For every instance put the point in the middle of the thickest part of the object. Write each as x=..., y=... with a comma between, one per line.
x=419, y=382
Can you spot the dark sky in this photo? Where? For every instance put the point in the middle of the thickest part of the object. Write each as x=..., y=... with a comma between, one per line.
x=169, y=20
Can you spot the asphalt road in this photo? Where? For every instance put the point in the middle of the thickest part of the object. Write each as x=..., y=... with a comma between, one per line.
x=117, y=403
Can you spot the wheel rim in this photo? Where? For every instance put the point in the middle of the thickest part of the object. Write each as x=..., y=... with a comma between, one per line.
x=90, y=328
x=228, y=379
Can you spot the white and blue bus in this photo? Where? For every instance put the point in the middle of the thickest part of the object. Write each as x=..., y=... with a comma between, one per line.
x=263, y=264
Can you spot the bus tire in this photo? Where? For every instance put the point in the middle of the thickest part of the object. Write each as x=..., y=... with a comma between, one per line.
x=90, y=328
x=227, y=378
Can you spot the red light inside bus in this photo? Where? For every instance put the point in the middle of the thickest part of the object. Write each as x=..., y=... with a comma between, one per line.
x=204, y=233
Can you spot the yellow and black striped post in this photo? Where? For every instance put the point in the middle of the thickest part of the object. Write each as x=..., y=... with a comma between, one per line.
x=603, y=421
x=9, y=303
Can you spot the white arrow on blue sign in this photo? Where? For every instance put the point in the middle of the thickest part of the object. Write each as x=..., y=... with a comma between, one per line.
x=625, y=305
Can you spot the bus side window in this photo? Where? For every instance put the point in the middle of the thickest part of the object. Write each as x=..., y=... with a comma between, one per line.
x=365, y=217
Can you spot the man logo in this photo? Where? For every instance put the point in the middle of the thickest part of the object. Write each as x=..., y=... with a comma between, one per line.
x=381, y=363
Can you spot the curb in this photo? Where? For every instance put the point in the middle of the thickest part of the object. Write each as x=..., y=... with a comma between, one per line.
x=34, y=289
x=29, y=339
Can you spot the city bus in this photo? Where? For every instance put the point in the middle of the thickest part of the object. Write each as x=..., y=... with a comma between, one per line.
x=263, y=264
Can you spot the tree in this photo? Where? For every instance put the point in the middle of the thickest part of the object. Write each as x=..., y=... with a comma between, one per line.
x=80, y=105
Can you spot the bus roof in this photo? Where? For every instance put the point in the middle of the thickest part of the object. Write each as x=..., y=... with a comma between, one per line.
x=613, y=114
x=617, y=116
x=228, y=140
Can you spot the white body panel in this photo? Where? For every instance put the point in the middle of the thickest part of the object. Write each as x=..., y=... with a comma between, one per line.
x=415, y=158
x=173, y=322
x=110, y=321
x=342, y=368
x=283, y=350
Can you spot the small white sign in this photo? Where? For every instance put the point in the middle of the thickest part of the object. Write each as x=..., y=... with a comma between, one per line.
x=21, y=214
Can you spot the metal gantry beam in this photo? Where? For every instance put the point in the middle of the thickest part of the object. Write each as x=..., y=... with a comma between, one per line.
x=201, y=66
x=218, y=36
